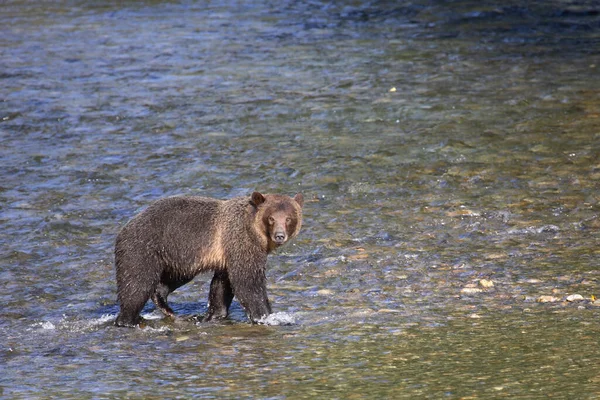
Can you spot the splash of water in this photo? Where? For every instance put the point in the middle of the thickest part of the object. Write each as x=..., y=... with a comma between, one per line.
x=279, y=318
x=48, y=325
x=155, y=315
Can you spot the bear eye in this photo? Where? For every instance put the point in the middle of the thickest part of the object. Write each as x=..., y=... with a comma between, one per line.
x=271, y=220
x=288, y=220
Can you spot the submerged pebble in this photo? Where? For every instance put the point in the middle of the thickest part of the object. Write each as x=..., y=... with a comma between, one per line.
x=575, y=297
x=547, y=299
x=486, y=283
x=388, y=310
x=471, y=290
x=324, y=292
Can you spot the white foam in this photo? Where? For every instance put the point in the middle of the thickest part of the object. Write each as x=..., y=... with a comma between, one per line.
x=153, y=315
x=85, y=325
x=48, y=325
x=103, y=319
x=279, y=318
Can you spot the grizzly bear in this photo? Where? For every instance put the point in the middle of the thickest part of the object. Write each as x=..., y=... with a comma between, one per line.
x=176, y=238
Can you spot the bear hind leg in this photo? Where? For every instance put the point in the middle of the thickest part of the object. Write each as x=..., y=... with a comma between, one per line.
x=129, y=315
x=134, y=287
x=159, y=297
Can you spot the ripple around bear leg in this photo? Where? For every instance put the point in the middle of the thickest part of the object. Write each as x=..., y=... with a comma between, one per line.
x=279, y=318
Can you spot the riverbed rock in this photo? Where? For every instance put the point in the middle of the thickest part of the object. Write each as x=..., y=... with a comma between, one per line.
x=547, y=299
x=574, y=297
x=486, y=283
x=471, y=290
x=324, y=292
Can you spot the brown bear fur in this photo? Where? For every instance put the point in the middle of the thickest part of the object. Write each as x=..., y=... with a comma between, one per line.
x=176, y=238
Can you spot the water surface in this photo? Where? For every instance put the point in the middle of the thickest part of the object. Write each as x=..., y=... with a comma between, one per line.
x=448, y=153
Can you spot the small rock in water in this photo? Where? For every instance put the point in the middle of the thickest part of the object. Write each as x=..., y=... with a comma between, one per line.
x=325, y=292
x=280, y=318
x=471, y=290
x=575, y=297
x=547, y=299
x=548, y=229
x=486, y=283
x=388, y=310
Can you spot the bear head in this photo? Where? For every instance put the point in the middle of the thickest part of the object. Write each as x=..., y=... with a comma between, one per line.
x=278, y=217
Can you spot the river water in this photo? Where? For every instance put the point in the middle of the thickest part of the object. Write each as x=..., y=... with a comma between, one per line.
x=448, y=152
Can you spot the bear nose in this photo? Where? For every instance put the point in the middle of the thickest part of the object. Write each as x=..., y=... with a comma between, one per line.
x=279, y=237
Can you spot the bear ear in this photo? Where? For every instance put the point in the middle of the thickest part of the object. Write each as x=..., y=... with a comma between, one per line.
x=257, y=199
x=299, y=199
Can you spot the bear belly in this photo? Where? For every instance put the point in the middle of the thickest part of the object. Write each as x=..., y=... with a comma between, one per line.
x=211, y=257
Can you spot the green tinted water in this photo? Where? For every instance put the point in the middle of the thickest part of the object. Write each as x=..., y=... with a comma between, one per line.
x=448, y=154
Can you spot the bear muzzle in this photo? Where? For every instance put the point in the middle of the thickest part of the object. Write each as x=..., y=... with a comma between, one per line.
x=279, y=237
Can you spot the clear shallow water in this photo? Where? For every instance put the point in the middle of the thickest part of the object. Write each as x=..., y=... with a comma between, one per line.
x=482, y=165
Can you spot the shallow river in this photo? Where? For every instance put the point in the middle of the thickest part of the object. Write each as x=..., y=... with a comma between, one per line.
x=448, y=152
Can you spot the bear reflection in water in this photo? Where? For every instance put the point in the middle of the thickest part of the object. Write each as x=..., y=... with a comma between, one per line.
x=176, y=238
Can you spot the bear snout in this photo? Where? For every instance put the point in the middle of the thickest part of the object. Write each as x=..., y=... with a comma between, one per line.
x=279, y=237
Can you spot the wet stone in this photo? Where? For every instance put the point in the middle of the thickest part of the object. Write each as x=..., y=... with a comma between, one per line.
x=547, y=299
x=471, y=290
x=486, y=283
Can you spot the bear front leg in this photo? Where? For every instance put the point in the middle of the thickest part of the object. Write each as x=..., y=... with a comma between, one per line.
x=251, y=291
x=219, y=297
